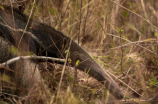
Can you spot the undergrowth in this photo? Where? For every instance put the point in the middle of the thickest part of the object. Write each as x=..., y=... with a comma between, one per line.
x=121, y=35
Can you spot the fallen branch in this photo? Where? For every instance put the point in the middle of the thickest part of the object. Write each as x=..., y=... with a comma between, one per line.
x=31, y=57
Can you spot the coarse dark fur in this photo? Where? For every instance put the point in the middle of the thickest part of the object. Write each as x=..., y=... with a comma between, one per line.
x=28, y=75
x=44, y=40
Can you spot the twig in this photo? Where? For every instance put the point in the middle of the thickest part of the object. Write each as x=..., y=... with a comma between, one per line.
x=132, y=43
x=86, y=18
x=62, y=15
x=127, y=41
x=123, y=74
x=9, y=94
x=63, y=70
x=28, y=23
x=123, y=83
x=147, y=40
x=66, y=8
x=80, y=23
x=31, y=57
x=58, y=6
x=135, y=14
x=142, y=3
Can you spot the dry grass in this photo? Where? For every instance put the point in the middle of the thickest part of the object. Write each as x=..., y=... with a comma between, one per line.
x=121, y=35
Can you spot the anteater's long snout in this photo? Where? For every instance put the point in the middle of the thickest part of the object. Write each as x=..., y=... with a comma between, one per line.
x=97, y=72
x=92, y=68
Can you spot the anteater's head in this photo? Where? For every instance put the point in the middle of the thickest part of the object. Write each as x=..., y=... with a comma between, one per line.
x=57, y=43
x=86, y=63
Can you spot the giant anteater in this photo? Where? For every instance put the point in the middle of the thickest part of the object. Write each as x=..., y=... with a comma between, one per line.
x=44, y=40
